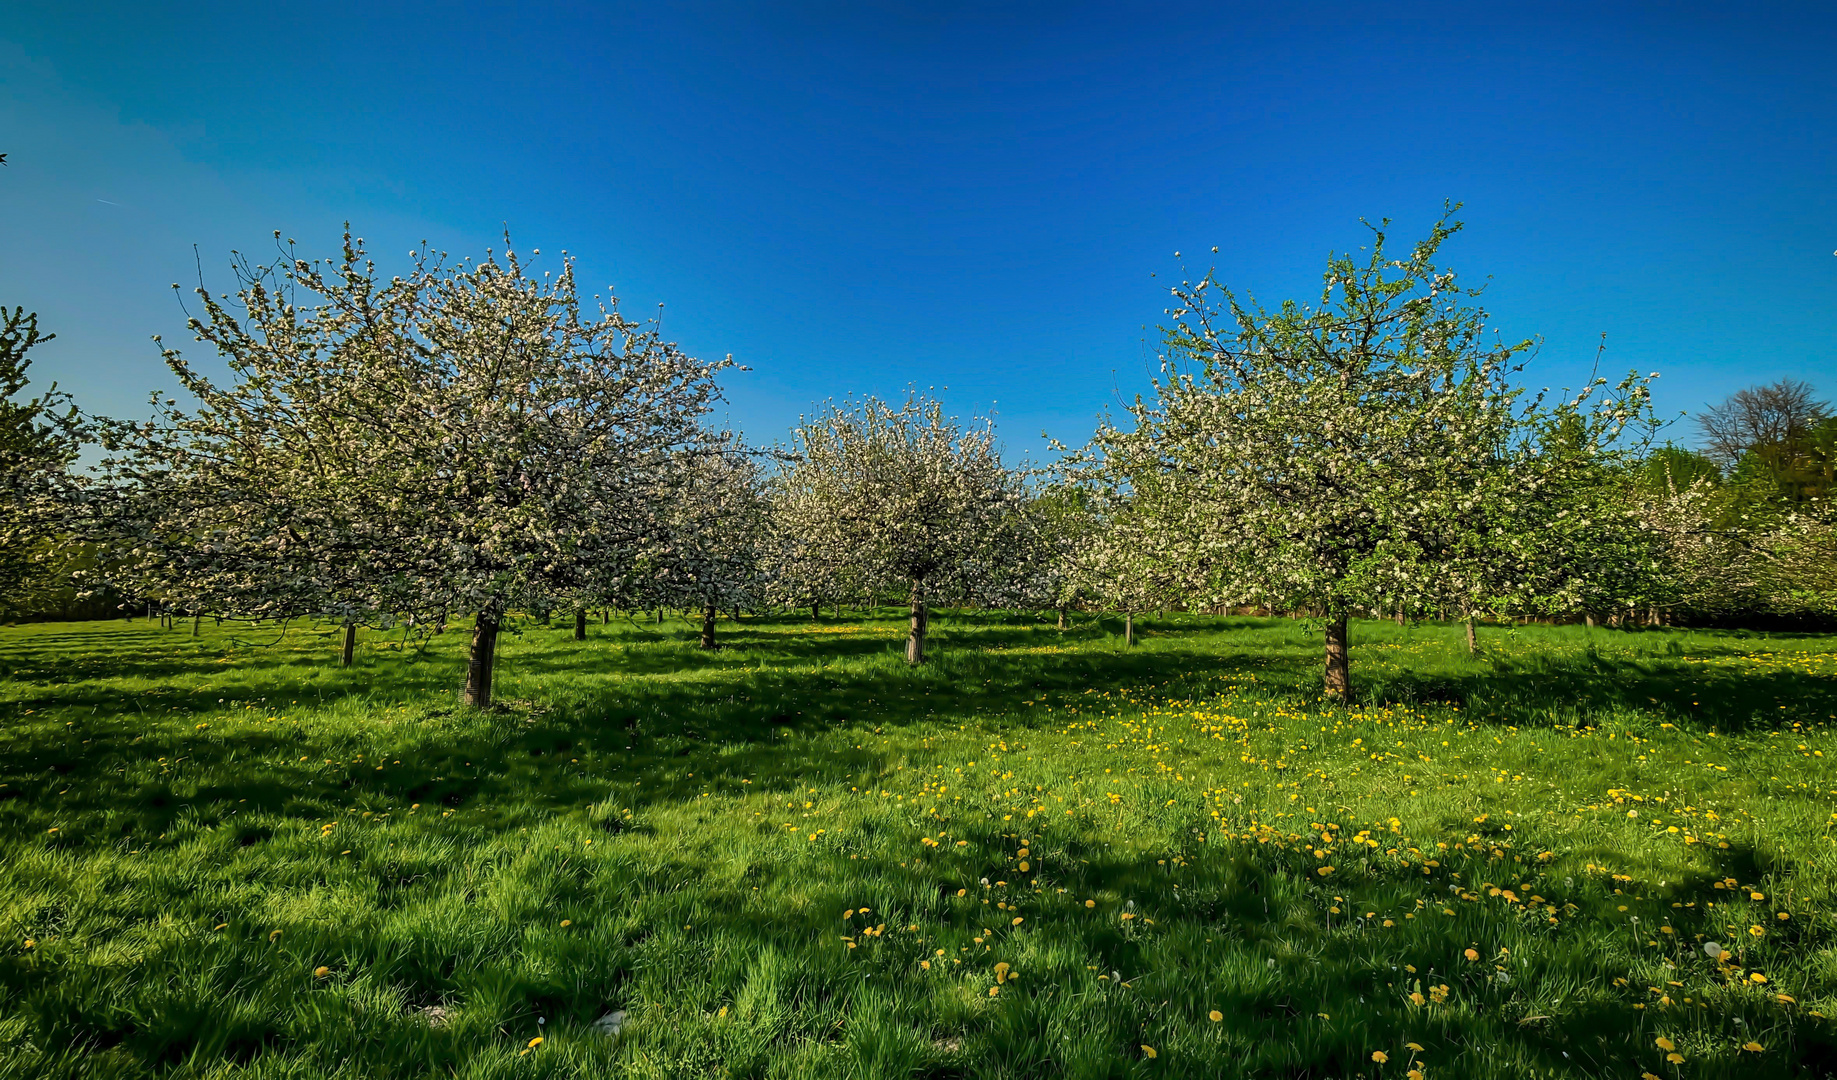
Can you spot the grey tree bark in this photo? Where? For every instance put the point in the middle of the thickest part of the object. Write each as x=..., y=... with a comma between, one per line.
x=915, y=634
x=1339, y=661
x=350, y=645
x=480, y=662
x=580, y=624
x=708, y=626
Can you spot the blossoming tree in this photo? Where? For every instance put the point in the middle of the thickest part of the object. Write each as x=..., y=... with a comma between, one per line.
x=462, y=439
x=1337, y=457
x=898, y=497
x=710, y=556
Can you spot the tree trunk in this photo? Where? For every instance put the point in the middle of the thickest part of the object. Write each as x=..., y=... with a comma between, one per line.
x=1128, y=628
x=708, y=626
x=1061, y=616
x=479, y=664
x=1401, y=616
x=350, y=644
x=606, y=616
x=580, y=624
x=1339, y=662
x=915, y=634
x=1473, y=637
x=1589, y=618
x=816, y=611
x=197, y=621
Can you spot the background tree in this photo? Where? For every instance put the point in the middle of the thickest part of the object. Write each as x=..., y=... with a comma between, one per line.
x=897, y=497
x=39, y=439
x=1759, y=416
x=464, y=438
x=711, y=555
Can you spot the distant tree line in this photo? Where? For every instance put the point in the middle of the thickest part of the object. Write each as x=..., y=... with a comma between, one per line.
x=470, y=445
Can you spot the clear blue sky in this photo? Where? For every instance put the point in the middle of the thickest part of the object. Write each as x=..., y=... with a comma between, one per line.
x=854, y=197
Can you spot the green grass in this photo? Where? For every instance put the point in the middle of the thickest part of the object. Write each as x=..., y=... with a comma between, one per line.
x=797, y=857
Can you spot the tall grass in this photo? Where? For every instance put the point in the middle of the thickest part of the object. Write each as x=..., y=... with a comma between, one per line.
x=797, y=857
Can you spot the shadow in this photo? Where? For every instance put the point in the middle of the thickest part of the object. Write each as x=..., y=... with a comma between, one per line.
x=128, y=741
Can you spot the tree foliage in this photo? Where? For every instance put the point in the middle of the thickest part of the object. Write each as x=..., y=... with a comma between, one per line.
x=878, y=496
x=1362, y=453
x=463, y=439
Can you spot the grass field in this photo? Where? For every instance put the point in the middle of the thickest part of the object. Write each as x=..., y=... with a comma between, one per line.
x=1040, y=855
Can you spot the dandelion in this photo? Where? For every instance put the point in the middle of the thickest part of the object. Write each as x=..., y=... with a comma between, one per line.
x=1148, y=1051
x=1665, y=1044
x=1471, y=954
x=535, y=1042
x=1380, y=1056
x=1757, y=931
x=1413, y=1047
x=321, y=972
x=924, y=965
x=1090, y=903
x=1753, y=1047
x=567, y=922
x=1017, y=921
x=1675, y=1059
x=1215, y=1016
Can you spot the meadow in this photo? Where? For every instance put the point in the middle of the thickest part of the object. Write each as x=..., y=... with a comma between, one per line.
x=1585, y=853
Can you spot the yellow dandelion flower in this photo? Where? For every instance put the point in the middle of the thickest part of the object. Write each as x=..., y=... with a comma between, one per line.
x=1149, y=1051
x=1090, y=903
x=924, y=965
x=567, y=922
x=1380, y=1056
x=1757, y=977
x=1675, y=1059
x=1215, y=1016
x=1665, y=1044
x=321, y=972
x=993, y=990
x=1471, y=954
x=1018, y=920
x=1753, y=1047
x=535, y=1042
x=1757, y=931
x=1416, y=1047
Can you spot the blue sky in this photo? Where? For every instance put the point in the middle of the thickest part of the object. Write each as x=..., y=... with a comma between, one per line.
x=857, y=197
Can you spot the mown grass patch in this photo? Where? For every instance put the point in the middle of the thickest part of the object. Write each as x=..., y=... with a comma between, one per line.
x=1040, y=855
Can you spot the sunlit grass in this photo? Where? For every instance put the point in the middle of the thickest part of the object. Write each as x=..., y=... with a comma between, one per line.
x=797, y=857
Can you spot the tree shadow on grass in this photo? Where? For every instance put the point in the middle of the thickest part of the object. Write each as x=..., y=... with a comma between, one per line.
x=1115, y=948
